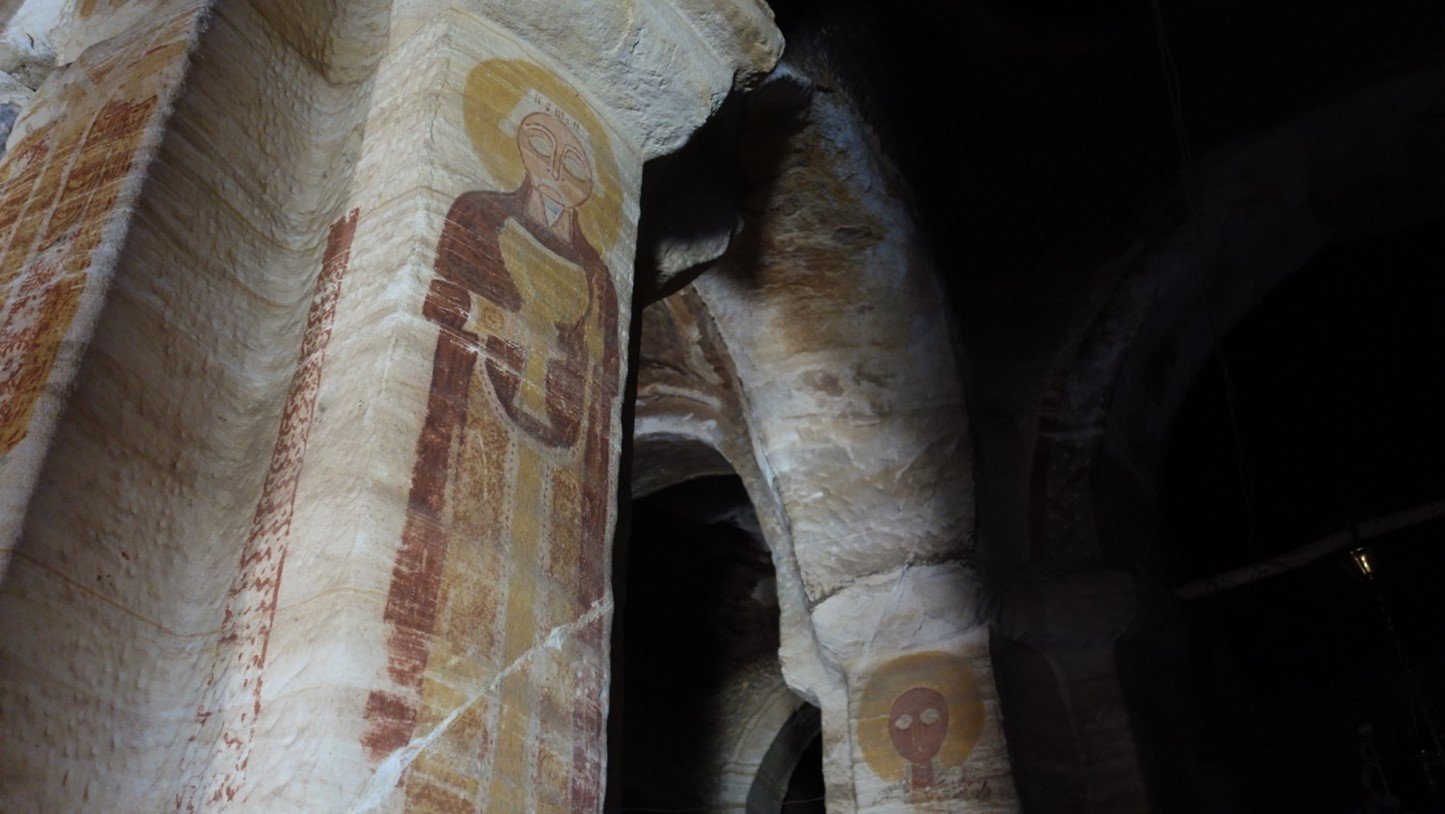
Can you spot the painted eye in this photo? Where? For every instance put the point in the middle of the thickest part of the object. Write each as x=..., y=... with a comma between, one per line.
x=903, y=722
x=539, y=142
x=929, y=716
x=574, y=166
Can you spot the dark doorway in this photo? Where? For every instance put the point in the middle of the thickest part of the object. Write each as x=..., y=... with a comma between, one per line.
x=1317, y=687
x=698, y=607
x=806, y=789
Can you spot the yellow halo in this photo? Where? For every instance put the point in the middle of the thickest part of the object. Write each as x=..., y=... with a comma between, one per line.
x=952, y=677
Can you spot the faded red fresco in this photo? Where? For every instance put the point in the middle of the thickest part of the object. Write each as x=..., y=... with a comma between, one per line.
x=918, y=725
x=238, y=669
x=54, y=208
x=476, y=410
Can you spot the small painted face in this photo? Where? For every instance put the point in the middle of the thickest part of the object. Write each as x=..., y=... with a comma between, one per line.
x=556, y=162
x=918, y=723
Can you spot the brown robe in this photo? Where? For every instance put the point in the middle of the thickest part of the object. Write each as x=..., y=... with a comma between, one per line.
x=580, y=396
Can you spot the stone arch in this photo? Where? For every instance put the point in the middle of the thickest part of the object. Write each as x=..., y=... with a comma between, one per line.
x=768, y=724
x=1371, y=163
x=770, y=786
x=675, y=458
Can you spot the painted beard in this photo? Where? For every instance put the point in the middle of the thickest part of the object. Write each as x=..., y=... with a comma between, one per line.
x=552, y=206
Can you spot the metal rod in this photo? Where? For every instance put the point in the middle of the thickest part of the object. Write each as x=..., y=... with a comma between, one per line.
x=1348, y=537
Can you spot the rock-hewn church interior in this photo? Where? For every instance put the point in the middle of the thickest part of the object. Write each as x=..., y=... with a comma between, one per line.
x=786, y=407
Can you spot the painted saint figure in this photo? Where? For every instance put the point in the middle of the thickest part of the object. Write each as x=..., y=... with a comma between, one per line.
x=475, y=263
x=508, y=254
x=918, y=725
x=920, y=716
x=511, y=486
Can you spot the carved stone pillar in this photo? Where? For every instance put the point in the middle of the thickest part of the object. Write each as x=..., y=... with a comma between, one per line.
x=1063, y=637
x=835, y=326
x=326, y=525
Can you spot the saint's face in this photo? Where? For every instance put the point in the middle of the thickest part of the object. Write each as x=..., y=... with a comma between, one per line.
x=918, y=724
x=557, y=165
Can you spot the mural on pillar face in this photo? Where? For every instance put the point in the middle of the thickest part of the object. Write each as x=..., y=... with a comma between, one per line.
x=60, y=189
x=512, y=483
x=919, y=718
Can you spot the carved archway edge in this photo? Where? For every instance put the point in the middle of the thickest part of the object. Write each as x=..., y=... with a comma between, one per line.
x=690, y=405
x=1251, y=234
x=1369, y=164
x=692, y=410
